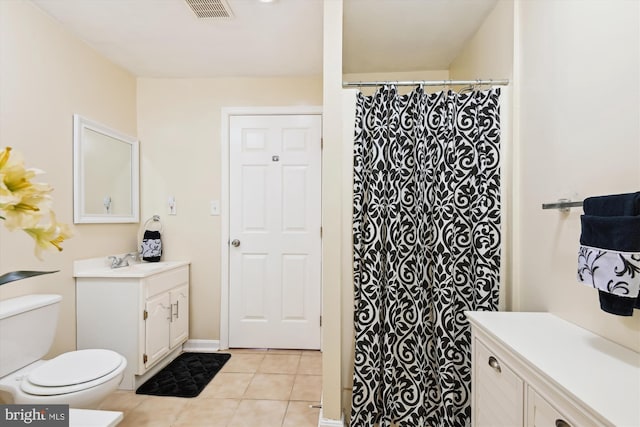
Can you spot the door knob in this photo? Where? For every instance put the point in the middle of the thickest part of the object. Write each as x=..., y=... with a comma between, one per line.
x=235, y=243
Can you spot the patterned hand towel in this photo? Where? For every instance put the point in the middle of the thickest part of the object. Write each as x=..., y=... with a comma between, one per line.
x=151, y=248
x=609, y=256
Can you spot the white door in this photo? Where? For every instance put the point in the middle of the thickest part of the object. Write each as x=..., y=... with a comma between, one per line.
x=274, y=231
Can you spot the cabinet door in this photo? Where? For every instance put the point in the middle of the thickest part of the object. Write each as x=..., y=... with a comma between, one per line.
x=179, y=329
x=157, y=328
x=498, y=391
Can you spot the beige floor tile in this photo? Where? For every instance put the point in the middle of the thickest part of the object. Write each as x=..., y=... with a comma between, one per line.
x=310, y=365
x=243, y=362
x=300, y=414
x=207, y=413
x=155, y=412
x=279, y=364
x=123, y=401
x=270, y=386
x=259, y=413
x=307, y=387
x=239, y=396
x=230, y=385
x=149, y=421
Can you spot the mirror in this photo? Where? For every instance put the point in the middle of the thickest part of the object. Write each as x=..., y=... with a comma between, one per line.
x=105, y=174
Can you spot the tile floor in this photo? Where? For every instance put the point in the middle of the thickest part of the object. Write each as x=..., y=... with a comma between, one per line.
x=255, y=388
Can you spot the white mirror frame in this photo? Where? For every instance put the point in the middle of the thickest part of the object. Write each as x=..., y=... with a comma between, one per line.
x=80, y=216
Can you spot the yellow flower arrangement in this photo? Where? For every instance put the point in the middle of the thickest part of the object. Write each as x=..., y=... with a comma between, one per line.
x=26, y=205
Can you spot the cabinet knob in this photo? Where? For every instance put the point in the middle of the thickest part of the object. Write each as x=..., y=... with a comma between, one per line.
x=493, y=362
x=562, y=423
x=235, y=243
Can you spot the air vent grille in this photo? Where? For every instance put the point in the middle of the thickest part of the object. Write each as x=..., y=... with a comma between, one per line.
x=210, y=8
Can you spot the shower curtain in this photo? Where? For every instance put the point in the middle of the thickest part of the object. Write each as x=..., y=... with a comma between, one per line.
x=426, y=230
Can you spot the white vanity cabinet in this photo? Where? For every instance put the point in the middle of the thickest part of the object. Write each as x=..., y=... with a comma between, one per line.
x=535, y=369
x=166, y=314
x=141, y=313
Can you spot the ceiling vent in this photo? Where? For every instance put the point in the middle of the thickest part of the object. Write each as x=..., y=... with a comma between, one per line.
x=210, y=8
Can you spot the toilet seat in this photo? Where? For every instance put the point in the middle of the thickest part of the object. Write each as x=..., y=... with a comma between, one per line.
x=73, y=372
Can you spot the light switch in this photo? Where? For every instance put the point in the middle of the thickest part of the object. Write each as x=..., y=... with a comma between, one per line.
x=172, y=206
x=214, y=207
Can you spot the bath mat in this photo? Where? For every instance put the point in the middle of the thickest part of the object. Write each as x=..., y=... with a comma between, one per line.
x=186, y=376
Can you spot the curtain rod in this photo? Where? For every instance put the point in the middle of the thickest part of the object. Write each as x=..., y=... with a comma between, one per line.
x=428, y=83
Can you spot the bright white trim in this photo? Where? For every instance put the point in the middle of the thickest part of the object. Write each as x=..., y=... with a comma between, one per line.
x=201, y=346
x=227, y=112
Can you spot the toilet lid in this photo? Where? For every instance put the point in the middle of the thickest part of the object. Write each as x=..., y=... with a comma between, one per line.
x=75, y=367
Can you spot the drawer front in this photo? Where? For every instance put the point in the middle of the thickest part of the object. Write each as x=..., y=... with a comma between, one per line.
x=499, y=392
x=541, y=413
x=162, y=282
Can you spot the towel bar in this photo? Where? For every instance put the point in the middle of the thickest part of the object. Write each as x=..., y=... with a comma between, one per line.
x=564, y=205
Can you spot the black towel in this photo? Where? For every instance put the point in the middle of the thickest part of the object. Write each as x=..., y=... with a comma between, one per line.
x=616, y=233
x=615, y=205
x=612, y=223
x=151, y=248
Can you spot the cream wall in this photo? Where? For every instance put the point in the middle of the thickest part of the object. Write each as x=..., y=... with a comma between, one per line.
x=333, y=236
x=47, y=75
x=179, y=125
x=578, y=134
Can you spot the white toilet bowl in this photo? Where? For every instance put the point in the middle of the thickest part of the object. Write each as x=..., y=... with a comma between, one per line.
x=80, y=379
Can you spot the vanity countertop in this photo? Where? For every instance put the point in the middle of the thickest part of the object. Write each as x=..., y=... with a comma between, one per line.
x=600, y=374
x=100, y=268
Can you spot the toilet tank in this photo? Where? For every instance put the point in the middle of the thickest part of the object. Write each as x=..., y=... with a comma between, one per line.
x=27, y=328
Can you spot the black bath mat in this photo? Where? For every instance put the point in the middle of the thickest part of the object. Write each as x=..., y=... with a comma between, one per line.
x=186, y=376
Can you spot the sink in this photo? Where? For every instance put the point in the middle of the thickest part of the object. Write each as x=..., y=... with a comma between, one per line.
x=100, y=267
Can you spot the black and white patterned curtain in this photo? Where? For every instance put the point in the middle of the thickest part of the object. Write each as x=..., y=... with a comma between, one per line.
x=426, y=229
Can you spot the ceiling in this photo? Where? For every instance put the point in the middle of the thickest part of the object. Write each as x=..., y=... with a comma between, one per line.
x=164, y=38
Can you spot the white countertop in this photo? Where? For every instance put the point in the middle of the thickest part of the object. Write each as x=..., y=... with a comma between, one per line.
x=100, y=268
x=595, y=371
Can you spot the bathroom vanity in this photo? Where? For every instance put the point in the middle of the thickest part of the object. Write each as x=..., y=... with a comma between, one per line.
x=535, y=369
x=140, y=311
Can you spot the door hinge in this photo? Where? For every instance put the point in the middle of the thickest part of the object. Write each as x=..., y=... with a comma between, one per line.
x=320, y=320
x=145, y=314
x=144, y=358
x=321, y=232
x=321, y=143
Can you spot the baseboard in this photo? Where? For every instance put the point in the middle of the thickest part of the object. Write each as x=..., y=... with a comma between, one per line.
x=201, y=346
x=326, y=422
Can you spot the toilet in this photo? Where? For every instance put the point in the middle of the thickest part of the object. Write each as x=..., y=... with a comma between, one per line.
x=81, y=379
